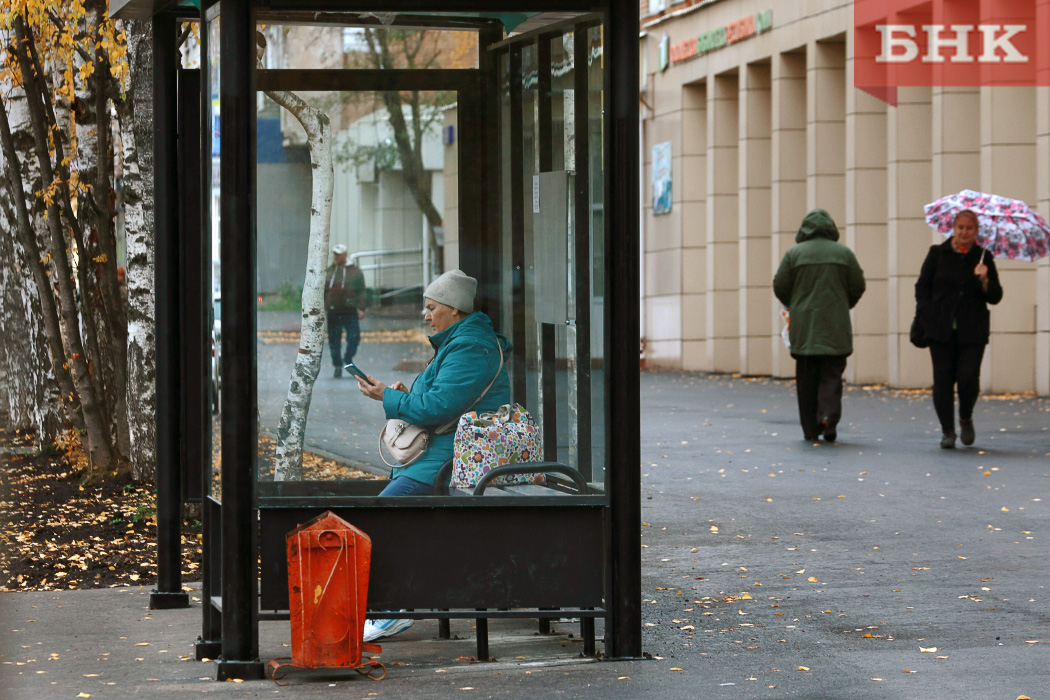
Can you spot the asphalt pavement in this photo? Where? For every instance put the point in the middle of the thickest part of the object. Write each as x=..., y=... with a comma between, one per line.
x=879, y=567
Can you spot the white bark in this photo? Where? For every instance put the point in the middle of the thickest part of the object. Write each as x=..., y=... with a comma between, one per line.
x=292, y=430
x=28, y=394
x=136, y=145
x=27, y=230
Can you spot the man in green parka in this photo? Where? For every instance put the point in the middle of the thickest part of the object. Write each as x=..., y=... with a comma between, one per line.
x=819, y=281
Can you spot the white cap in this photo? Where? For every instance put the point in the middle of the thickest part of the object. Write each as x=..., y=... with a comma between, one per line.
x=339, y=249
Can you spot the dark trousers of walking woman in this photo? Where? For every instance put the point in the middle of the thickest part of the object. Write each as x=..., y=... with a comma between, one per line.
x=818, y=380
x=955, y=365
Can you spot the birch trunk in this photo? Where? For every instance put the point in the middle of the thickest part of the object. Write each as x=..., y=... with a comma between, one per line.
x=292, y=430
x=98, y=444
x=21, y=177
x=136, y=129
x=29, y=398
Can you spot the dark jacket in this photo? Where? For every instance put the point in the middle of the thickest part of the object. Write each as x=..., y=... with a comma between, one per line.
x=344, y=290
x=948, y=294
x=819, y=281
x=466, y=358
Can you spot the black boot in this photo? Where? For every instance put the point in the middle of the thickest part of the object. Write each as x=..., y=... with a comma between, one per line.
x=966, y=433
x=338, y=372
x=829, y=430
x=948, y=441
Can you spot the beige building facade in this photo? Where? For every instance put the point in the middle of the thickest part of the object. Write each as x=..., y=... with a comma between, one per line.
x=766, y=127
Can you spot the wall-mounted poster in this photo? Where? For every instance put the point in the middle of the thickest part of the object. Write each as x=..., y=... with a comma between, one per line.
x=662, y=178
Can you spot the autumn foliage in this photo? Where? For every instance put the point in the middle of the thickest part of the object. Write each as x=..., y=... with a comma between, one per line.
x=65, y=132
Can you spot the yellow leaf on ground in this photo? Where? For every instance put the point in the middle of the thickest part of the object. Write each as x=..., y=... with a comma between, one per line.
x=803, y=668
x=927, y=650
x=813, y=579
x=676, y=669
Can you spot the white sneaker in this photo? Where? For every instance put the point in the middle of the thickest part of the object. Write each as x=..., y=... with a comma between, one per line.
x=378, y=629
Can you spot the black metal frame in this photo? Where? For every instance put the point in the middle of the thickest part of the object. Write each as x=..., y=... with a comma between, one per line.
x=230, y=628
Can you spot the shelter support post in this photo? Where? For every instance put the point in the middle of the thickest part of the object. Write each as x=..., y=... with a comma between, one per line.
x=169, y=593
x=237, y=252
x=624, y=629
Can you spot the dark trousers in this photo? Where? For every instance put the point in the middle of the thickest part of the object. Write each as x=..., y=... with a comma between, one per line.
x=955, y=365
x=819, y=385
x=337, y=325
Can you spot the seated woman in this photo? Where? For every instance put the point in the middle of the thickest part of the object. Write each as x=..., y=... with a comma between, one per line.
x=466, y=359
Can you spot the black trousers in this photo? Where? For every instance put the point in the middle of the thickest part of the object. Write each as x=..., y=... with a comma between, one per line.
x=818, y=380
x=337, y=325
x=955, y=366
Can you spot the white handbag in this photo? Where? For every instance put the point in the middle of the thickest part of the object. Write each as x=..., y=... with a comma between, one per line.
x=407, y=443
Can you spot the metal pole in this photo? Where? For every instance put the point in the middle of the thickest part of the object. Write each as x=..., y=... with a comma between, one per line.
x=624, y=633
x=169, y=592
x=240, y=615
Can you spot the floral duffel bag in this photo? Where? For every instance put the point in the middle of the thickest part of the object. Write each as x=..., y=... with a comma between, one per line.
x=508, y=435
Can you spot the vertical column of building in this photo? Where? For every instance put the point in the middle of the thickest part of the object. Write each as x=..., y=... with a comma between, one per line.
x=1008, y=134
x=865, y=224
x=908, y=172
x=1042, y=98
x=826, y=127
x=663, y=234
x=1042, y=338
x=723, y=354
x=756, y=266
x=694, y=227
x=788, y=176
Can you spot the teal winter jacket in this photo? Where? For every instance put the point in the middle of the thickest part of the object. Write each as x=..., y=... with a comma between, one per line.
x=466, y=358
x=819, y=281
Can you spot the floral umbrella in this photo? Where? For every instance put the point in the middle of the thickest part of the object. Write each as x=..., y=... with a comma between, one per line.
x=1009, y=228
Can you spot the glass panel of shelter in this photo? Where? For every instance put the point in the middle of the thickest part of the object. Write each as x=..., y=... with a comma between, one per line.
x=561, y=376
x=213, y=214
x=561, y=254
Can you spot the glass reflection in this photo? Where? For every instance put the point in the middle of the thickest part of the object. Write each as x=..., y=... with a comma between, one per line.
x=386, y=241
x=211, y=147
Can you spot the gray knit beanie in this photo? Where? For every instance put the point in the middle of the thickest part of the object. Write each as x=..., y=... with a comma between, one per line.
x=455, y=289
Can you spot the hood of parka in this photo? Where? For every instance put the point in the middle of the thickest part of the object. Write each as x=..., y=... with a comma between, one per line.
x=817, y=224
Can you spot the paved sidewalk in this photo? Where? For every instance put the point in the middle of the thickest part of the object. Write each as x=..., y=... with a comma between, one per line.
x=772, y=568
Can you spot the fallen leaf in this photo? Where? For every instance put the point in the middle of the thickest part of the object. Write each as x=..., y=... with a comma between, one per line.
x=675, y=668
x=624, y=678
x=927, y=650
x=813, y=579
x=876, y=679
x=803, y=668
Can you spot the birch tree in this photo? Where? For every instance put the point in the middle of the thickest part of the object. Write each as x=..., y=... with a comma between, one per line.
x=291, y=431
x=136, y=148
x=62, y=70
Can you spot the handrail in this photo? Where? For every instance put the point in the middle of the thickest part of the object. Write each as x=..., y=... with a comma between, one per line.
x=444, y=475
x=386, y=251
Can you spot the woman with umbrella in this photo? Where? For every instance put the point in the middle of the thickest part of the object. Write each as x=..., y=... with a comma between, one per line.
x=952, y=294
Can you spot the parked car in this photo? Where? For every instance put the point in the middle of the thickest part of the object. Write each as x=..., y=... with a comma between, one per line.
x=216, y=353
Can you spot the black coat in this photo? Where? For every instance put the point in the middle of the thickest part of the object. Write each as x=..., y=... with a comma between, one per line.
x=947, y=291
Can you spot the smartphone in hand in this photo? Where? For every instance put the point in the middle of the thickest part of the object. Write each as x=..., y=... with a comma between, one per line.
x=356, y=371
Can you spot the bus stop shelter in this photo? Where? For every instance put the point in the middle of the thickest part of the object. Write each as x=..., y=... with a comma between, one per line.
x=542, y=126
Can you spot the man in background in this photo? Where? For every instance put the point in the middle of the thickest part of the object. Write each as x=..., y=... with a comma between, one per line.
x=819, y=281
x=345, y=300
